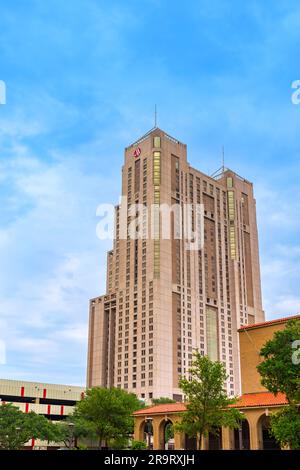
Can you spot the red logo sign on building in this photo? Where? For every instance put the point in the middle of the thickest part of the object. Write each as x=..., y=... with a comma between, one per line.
x=137, y=152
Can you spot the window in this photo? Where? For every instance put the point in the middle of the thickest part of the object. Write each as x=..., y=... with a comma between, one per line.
x=229, y=182
x=157, y=142
x=232, y=242
x=156, y=168
x=212, y=333
x=231, y=211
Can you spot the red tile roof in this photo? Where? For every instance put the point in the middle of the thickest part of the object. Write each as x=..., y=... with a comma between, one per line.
x=271, y=322
x=163, y=408
x=248, y=400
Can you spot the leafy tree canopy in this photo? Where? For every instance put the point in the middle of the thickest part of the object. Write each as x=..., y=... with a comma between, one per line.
x=280, y=372
x=280, y=368
x=109, y=413
x=285, y=426
x=138, y=445
x=162, y=400
x=207, y=402
x=17, y=428
x=73, y=428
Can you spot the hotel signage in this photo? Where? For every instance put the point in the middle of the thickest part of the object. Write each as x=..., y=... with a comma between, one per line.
x=137, y=152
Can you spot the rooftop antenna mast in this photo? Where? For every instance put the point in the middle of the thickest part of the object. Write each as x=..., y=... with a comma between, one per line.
x=223, y=159
x=220, y=171
x=155, y=116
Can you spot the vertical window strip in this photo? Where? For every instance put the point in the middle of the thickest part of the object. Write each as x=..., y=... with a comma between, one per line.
x=156, y=218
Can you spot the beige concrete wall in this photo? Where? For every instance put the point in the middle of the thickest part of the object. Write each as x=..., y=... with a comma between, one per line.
x=251, y=341
x=36, y=390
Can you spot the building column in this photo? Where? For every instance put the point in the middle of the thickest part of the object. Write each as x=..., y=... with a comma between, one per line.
x=205, y=443
x=226, y=439
x=157, y=444
x=179, y=443
x=255, y=441
x=138, y=434
x=179, y=437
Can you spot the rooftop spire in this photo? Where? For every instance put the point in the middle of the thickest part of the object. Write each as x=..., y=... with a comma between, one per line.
x=223, y=158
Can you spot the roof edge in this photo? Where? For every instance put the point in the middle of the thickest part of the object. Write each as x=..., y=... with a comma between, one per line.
x=155, y=128
x=270, y=322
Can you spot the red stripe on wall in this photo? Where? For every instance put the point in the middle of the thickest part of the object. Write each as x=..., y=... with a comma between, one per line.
x=49, y=409
x=62, y=410
x=26, y=407
x=44, y=393
x=22, y=391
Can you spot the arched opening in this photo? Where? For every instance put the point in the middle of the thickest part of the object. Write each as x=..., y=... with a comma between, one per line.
x=166, y=435
x=146, y=432
x=215, y=439
x=242, y=436
x=190, y=443
x=267, y=441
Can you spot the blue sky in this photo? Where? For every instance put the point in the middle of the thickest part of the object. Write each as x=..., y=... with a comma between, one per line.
x=82, y=79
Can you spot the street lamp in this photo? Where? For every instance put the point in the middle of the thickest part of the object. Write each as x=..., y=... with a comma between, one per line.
x=71, y=427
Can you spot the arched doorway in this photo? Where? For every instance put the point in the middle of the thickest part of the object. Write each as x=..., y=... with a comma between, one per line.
x=146, y=432
x=166, y=434
x=215, y=440
x=190, y=443
x=242, y=436
x=267, y=441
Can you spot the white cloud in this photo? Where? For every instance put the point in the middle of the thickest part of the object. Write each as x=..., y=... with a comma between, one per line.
x=51, y=263
x=279, y=253
x=284, y=305
x=75, y=333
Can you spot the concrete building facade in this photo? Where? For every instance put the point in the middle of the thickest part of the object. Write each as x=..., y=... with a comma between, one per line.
x=164, y=300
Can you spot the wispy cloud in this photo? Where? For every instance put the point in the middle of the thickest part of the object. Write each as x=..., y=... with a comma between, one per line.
x=51, y=260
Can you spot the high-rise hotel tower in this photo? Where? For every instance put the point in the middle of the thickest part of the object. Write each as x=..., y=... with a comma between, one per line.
x=163, y=300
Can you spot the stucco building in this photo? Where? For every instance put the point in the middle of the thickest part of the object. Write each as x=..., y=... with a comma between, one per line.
x=255, y=402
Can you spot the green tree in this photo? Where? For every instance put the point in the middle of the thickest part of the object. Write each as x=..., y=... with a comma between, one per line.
x=169, y=432
x=285, y=426
x=162, y=401
x=280, y=369
x=280, y=372
x=207, y=402
x=17, y=428
x=118, y=443
x=138, y=445
x=72, y=429
x=109, y=413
